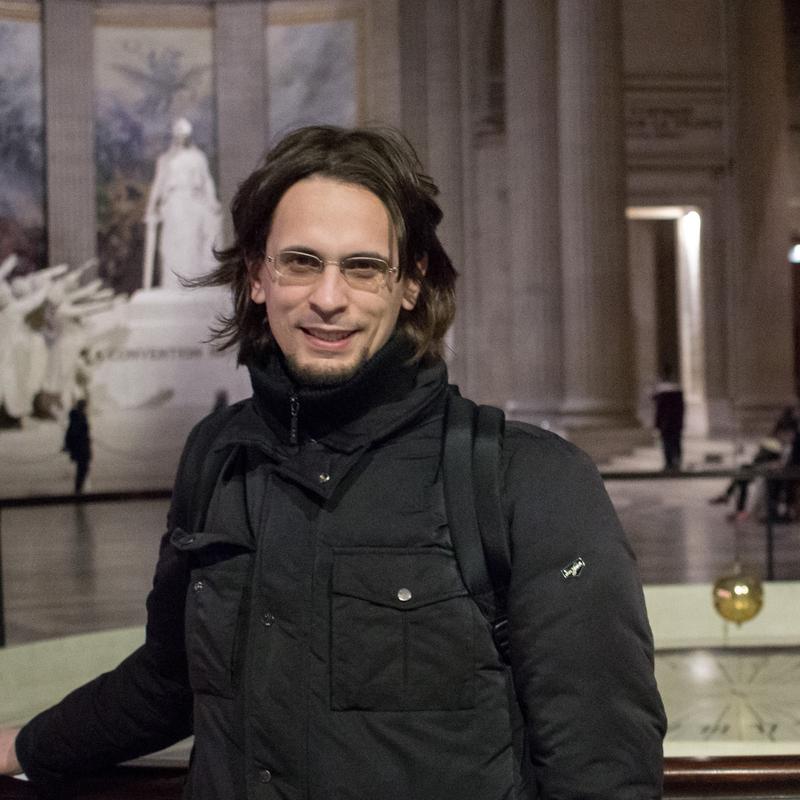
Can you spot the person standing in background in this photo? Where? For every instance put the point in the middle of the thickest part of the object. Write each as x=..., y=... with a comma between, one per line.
x=78, y=443
x=668, y=398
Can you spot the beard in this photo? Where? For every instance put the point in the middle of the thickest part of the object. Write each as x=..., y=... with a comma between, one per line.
x=325, y=375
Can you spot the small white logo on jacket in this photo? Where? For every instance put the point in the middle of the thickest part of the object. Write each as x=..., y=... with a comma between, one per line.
x=573, y=570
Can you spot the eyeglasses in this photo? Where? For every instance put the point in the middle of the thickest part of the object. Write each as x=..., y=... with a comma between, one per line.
x=361, y=272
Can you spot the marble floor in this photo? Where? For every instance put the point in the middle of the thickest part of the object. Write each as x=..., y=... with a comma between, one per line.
x=679, y=537
x=71, y=569
x=76, y=568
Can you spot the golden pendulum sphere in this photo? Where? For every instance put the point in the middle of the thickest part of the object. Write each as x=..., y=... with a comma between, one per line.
x=738, y=597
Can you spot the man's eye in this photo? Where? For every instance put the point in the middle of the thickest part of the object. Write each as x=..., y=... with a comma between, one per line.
x=367, y=267
x=300, y=261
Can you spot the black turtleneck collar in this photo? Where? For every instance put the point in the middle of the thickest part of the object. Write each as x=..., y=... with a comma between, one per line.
x=366, y=406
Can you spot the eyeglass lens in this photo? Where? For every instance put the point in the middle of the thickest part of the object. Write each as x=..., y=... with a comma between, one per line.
x=361, y=272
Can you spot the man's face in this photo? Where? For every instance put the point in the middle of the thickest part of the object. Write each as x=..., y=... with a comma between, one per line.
x=328, y=329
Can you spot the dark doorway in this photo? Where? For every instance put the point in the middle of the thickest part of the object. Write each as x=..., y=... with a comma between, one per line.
x=667, y=336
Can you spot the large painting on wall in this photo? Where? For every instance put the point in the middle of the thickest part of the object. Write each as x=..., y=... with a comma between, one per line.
x=314, y=70
x=153, y=66
x=134, y=348
x=22, y=177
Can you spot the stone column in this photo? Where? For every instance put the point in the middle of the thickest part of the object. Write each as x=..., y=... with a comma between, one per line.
x=431, y=114
x=533, y=269
x=760, y=278
x=444, y=139
x=718, y=325
x=597, y=338
x=382, y=56
x=242, y=122
x=67, y=30
x=412, y=30
x=484, y=332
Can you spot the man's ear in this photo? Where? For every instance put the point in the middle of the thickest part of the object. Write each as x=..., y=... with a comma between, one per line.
x=256, y=275
x=414, y=286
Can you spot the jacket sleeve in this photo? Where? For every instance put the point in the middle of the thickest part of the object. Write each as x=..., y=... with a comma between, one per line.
x=144, y=704
x=582, y=649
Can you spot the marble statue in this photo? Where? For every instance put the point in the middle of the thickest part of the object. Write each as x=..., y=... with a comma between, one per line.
x=183, y=216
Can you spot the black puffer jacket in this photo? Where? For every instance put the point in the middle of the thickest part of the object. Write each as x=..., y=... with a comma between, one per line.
x=333, y=651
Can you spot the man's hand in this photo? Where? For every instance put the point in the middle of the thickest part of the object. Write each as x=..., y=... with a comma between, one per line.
x=8, y=752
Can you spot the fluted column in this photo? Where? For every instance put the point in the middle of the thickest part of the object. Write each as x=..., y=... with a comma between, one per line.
x=761, y=311
x=597, y=339
x=534, y=263
x=69, y=130
x=242, y=122
x=445, y=144
x=382, y=63
x=413, y=118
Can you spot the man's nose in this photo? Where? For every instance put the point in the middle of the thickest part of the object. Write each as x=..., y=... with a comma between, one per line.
x=330, y=291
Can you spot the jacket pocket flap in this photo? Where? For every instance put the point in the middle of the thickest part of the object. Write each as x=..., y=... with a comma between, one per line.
x=402, y=579
x=195, y=541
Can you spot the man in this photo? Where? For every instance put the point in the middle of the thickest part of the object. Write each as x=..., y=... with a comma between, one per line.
x=78, y=443
x=308, y=621
x=668, y=398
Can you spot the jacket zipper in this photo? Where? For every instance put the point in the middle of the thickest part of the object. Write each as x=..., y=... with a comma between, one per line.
x=294, y=412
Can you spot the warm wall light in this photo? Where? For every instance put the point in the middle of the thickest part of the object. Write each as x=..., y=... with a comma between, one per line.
x=689, y=231
x=794, y=253
x=692, y=221
x=654, y=212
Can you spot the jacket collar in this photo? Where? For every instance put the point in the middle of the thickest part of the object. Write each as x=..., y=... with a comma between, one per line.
x=387, y=393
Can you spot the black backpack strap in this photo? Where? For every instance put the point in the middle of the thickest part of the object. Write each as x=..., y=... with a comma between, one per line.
x=472, y=487
x=492, y=523
x=208, y=464
x=486, y=454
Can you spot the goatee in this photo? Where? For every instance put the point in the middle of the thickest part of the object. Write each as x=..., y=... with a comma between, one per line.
x=320, y=376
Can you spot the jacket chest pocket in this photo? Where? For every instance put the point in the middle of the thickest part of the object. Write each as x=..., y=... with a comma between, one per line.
x=402, y=631
x=217, y=604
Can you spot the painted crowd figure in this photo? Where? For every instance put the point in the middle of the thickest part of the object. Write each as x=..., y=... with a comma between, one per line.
x=40, y=363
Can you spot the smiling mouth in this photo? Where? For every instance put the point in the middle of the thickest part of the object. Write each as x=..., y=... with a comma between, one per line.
x=326, y=335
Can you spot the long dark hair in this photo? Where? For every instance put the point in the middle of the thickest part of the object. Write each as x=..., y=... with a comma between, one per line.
x=382, y=161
